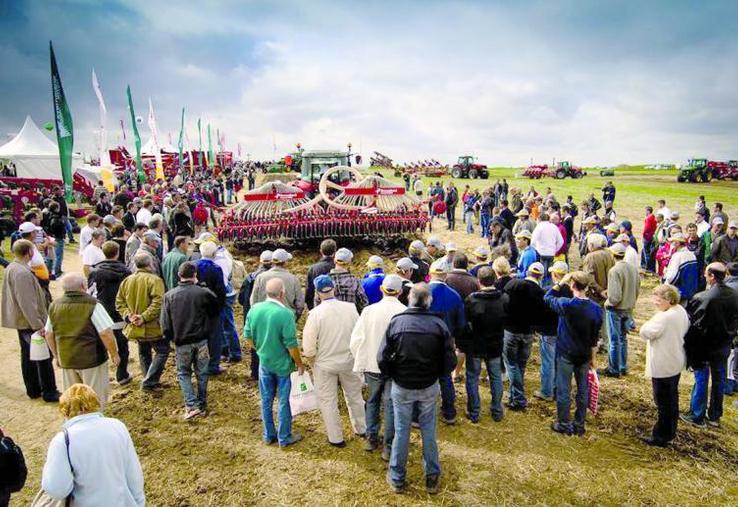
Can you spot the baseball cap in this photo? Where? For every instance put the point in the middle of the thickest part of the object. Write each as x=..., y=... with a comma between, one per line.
x=149, y=235
x=323, y=283
x=344, y=255
x=434, y=241
x=109, y=219
x=26, y=227
x=451, y=247
x=392, y=283
x=617, y=249
x=205, y=236
x=281, y=255
x=718, y=220
x=733, y=225
x=591, y=219
x=559, y=267
x=613, y=227
x=417, y=246
x=622, y=237
x=481, y=252
x=439, y=267
x=522, y=213
x=375, y=261
x=536, y=268
x=406, y=263
x=524, y=233
x=265, y=257
x=674, y=215
x=497, y=221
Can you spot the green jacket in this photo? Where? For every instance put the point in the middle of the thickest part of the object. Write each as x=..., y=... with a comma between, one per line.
x=141, y=294
x=170, y=266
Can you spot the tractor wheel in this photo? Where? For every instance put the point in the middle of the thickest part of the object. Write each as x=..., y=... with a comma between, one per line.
x=560, y=174
x=578, y=175
x=473, y=174
x=485, y=175
x=456, y=172
x=692, y=177
x=680, y=179
x=707, y=177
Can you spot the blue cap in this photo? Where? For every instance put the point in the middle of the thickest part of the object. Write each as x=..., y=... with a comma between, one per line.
x=323, y=283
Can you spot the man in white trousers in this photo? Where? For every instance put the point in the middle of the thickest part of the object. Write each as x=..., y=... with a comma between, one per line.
x=326, y=337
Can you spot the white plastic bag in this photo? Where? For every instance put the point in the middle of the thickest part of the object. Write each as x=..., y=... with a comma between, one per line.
x=302, y=394
x=39, y=350
x=731, y=358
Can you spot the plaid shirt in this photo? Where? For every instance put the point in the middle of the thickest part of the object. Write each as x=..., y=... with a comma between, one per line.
x=348, y=288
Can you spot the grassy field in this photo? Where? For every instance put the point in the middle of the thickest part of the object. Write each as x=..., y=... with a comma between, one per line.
x=220, y=460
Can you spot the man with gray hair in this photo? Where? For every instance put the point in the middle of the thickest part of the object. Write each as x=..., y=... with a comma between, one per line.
x=416, y=350
x=139, y=303
x=294, y=297
x=150, y=245
x=79, y=333
x=210, y=275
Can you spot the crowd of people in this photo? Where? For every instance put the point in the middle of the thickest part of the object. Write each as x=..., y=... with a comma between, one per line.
x=406, y=330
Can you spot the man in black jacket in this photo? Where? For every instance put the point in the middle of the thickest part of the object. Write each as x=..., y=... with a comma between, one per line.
x=57, y=229
x=482, y=342
x=103, y=283
x=417, y=349
x=187, y=313
x=322, y=267
x=712, y=314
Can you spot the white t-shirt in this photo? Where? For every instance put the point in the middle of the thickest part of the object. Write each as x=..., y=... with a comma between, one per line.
x=85, y=236
x=92, y=255
x=143, y=216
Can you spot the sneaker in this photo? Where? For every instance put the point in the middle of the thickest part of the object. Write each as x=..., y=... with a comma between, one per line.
x=688, y=418
x=371, y=444
x=515, y=407
x=713, y=424
x=339, y=445
x=560, y=428
x=607, y=372
x=126, y=380
x=396, y=487
x=578, y=430
x=52, y=397
x=650, y=441
x=296, y=437
x=190, y=413
x=541, y=396
x=270, y=441
x=447, y=421
x=432, y=484
x=386, y=453
x=472, y=419
x=497, y=418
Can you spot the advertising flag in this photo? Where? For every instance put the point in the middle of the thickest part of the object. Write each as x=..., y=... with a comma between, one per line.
x=64, y=127
x=136, y=139
x=181, y=139
x=104, y=154
x=155, y=137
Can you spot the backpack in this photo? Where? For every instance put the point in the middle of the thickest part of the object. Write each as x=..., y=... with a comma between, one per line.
x=13, y=469
x=200, y=214
x=238, y=274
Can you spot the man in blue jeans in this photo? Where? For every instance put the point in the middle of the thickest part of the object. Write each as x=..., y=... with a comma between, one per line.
x=270, y=329
x=446, y=302
x=578, y=330
x=416, y=351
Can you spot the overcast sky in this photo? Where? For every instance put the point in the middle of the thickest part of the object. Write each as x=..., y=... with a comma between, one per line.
x=595, y=82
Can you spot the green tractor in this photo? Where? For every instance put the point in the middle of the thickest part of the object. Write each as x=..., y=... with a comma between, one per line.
x=291, y=162
x=696, y=170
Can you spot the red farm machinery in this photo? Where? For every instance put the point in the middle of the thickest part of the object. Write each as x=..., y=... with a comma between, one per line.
x=560, y=171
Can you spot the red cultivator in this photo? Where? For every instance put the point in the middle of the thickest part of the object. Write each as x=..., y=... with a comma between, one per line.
x=365, y=207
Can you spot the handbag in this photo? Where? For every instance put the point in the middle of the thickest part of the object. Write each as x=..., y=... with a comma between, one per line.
x=43, y=499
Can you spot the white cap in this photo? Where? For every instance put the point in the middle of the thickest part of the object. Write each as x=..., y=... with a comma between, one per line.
x=718, y=220
x=265, y=257
x=482, y=252
x=417, y=246
x=617, y=249
x=344, y=255
x=375, y=261
x=406, y=263
x=536, y=268
x=559, y=267
x=439, y=267
x=434, y=241
x=392, y=283
x=26, y=227
x=451, y=247
x=281, y=255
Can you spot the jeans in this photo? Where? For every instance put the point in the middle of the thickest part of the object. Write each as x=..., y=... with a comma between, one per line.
x=451, y=217
x=187, y=356
x=516, y=352
x=618, y=325
x=68, y=228
x=379, y=396
x=484, y=224
x=494, y=370
x=648, y=262
x=58, y=257
x=271, y=385
x=121, y=371
x=215, y=345
x=38, y=376
x=152, y=369
x=230, y=333
x=229, y=195
x=548, y=364
x=698, y=405
x=547, y=263
x=565, y=369
x=666, y=397
x=469, y=221
x=448, y=397
x=403, y=401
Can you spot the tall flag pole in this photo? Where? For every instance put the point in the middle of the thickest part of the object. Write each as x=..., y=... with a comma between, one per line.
x=64, y=127
x=155, y=136
x=212, y=161
x=104, y=154
x=199, y=152
x=123, y=129
x=136, y=139
x=181, y=139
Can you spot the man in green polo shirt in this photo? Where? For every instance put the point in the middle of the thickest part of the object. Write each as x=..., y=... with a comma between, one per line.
x=270, y=329
x=173, y=260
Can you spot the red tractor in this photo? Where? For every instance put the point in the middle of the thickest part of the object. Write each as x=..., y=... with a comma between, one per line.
x=466, y=167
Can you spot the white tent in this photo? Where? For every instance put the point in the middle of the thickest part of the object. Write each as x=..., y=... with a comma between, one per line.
x=150, y=148
x=34, y=154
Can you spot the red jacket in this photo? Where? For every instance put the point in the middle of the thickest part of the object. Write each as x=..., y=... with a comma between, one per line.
x=649, y=227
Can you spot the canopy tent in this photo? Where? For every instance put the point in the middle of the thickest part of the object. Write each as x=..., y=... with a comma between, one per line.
x=35, y=155
x=150, y=148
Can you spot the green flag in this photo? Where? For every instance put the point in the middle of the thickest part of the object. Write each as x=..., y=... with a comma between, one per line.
x=136, y=139
x=64, y=127
x=212, y=160
x=199, y=133
x=181, y=136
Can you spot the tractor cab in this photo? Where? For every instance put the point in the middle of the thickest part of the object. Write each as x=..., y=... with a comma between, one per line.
x=697, y=163
x=465, y=160
x=315, y=163
x=564, y=165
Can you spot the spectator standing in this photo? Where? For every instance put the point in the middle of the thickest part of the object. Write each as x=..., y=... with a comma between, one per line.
x=187, y=314
x=664, y=335
x=173, y=260
x=347, y=287
x=464, y=284
x=682, y=270
x=527, y=255
x=210, y=275
x=85, y=233
x=631, y=254
x=725, y=247
x=322, y=267
x=56, y=229
x=134, y=242
x=415, y=252
x=416, y=351
x=93, y=254
x=546, y=240
x=405, y=270
x=326, y=337
x=244, y=299
x=270, y=329
x=294, y=297
x=103, y=283
x=372, y=281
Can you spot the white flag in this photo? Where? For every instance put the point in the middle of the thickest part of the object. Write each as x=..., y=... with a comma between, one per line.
x=155, y=136
x=104, y=155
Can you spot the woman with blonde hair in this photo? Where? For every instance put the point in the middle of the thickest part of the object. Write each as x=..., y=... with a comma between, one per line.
x=92, y=459
x=665, y=360
x=501, y=267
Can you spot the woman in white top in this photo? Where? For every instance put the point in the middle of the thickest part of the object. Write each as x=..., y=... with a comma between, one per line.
x=93, y=458
x=665, y=360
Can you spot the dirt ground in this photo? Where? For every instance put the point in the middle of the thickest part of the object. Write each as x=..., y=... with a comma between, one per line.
x=220, y=460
